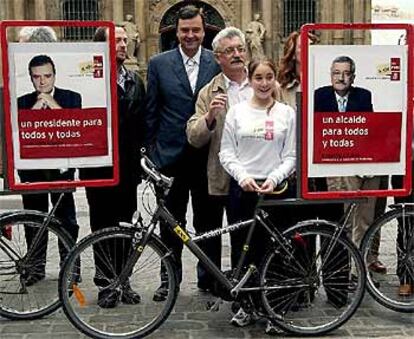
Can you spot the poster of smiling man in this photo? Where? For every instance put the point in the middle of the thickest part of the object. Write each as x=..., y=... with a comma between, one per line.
x=60, y=109
x=357, y=112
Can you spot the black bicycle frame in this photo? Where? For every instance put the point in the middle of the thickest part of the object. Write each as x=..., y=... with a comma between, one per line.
x=163, y=214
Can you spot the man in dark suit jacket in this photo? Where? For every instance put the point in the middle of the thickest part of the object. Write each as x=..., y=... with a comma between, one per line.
x=174, y=80
x=46, y=96
x=63, y=97
x=341, y=96
x=108, y=206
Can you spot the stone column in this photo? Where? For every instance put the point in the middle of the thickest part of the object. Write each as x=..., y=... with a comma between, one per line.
x=3, y=10
x=18, y=9
x=338, y=17
x=246, y=14
x=107, y=10
x=40, y=10
x=118, y=11
x=266, y=6
x=141, y=22
x=359, y=13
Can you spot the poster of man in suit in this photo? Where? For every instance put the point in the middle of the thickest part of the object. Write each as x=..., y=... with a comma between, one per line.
x=357, y=102
x=46, y=95
x=60, y=105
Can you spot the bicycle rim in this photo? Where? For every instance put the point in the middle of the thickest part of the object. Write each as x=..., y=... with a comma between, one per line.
x=112, y=248
x=18, y=300
x=317, y=287
x=394, y=233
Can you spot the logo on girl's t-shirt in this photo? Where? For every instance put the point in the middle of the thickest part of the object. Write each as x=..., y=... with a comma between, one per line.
x=269, y=130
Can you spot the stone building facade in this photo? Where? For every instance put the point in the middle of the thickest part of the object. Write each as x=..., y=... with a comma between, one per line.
x=155, y=18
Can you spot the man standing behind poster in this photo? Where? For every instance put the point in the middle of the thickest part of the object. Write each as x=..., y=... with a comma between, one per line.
x=43, y=75
x=108, y=206
x=46, y=96
x=341, y=96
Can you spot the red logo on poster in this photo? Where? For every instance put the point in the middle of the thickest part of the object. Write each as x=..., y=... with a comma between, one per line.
x=395, y=69
x=97, y=66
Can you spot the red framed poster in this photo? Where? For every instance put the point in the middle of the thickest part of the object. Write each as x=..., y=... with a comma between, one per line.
x=357, y=112
x=60, y=104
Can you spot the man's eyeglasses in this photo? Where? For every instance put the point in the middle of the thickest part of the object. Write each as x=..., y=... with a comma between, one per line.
x=338, y=74
x=232, y=50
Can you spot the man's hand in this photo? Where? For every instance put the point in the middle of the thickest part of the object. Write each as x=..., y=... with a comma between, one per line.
x=217, y=105
x=249, y=185
x=44, y=101
x=40, y=104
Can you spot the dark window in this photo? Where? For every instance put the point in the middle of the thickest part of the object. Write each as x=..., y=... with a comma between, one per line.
x=296, y=13
x=79, y=10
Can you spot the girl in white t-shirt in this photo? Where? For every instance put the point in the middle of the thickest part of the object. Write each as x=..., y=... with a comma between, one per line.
x=258, y=150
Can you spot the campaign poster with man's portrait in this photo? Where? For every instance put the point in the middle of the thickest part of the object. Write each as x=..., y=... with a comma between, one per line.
x=60, y=105
x=357, y=110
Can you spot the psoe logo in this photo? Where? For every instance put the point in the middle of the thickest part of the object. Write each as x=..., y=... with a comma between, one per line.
x=85, y=67
x=383, y=70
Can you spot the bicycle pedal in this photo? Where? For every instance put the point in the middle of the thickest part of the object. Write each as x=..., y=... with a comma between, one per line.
x=214, y=306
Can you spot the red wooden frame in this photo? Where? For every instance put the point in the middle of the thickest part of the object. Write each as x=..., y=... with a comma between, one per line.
x=12, y=184
x=305, y=30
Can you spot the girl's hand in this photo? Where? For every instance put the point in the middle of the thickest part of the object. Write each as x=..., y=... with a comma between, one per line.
x=249, y=185
x=267, y=187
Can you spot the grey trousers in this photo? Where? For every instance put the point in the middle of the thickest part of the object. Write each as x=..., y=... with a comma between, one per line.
x=364, y=213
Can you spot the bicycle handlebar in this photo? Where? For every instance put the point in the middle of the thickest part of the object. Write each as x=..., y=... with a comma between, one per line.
x=149, y=168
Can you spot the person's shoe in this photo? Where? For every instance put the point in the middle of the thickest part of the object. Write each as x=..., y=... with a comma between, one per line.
x=129, y=296
x=377, y=267
x=242, y=319
x=272, y=329
x=337, y=302
x=108, y=298
x=161, y=293
x=405, y=290
x=353, y=283
x=203, y=287
x=34, y=278
x=376, y=283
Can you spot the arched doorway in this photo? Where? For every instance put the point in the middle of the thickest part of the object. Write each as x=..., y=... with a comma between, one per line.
x=214, y=23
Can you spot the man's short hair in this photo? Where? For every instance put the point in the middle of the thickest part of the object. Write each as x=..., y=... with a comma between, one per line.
x=38, y=34
x=345, y=59
x=190, y=12
x=227, y=33
x=43, y=34
x=25, y=33
x=100, y=34
x=40, y=60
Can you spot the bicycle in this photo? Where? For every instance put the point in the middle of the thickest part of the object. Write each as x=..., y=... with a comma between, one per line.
x=28, y=283
x=396, y=230
x=301, y=291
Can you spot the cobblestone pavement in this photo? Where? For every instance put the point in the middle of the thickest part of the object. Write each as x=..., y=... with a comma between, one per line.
x=190, y=318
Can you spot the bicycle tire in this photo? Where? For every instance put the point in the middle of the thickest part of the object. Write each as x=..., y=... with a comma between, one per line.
x=18, y=301
x=80, y=302
x=384, y=287
x=310, y=292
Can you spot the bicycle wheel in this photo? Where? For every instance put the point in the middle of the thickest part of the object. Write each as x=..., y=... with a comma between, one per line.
x=100, y=254
x=314, y=286
x=392, y=237
x=29, y=283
